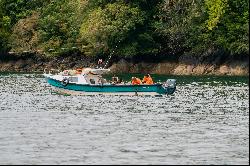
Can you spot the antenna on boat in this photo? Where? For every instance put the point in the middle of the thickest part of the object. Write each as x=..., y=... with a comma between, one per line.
x=110, y=57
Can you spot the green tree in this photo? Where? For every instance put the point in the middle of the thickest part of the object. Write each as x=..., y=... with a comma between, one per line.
x=177, y=20
x=226, y=27
x=25, y=36
x=162, y=28
x=233, y=31
x=198, y=27
x=11, y=11
x=59, y=25
x=105, y=27
x=215, y=10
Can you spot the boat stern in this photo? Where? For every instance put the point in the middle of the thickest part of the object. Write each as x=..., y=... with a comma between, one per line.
x=169, y=86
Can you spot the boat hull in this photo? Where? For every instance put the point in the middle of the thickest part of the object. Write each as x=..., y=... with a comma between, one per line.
x=111, y=89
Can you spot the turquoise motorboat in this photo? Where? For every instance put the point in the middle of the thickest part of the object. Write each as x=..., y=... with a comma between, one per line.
x=91, y=81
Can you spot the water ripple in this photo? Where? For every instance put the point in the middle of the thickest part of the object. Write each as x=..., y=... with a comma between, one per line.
x=202, y=123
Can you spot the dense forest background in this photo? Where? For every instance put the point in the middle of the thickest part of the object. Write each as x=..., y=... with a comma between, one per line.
x=127, y=28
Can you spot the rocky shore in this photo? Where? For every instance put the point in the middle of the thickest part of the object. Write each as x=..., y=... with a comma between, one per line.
x=183, y=66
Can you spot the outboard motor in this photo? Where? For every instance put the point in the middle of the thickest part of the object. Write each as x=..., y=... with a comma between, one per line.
x=170, y=86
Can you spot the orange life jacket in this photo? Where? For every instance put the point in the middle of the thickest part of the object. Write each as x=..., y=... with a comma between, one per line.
x=136, y=81
x=148, y=80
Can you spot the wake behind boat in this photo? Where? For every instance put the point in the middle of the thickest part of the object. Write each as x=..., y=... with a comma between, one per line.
x=90, y=81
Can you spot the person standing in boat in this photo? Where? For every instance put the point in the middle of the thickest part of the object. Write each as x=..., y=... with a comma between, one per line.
x=147, y=80
x=136, y=81
x=100, y=63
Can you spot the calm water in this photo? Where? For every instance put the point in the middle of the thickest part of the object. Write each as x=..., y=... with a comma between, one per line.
x=205, y=122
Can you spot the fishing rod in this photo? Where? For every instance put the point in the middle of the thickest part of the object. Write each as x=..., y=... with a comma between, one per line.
x=110, y=57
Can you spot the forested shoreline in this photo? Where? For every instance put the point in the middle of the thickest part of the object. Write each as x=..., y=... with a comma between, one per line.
x=190, y=32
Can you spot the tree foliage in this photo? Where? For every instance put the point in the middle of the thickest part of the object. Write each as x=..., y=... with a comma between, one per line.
x=104, y=28
x=128, y=27
x=215, y=10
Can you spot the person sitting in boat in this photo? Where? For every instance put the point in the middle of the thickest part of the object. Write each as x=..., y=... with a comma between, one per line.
x=147, y=80
x=102, y=80
x=115, y=80
x=120, y=81
x=136, y=81
x=100, y=63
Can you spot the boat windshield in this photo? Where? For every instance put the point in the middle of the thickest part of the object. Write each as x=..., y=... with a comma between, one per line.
x=95, y=71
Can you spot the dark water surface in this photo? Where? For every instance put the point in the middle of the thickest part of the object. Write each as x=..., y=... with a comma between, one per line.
x=206, y=121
